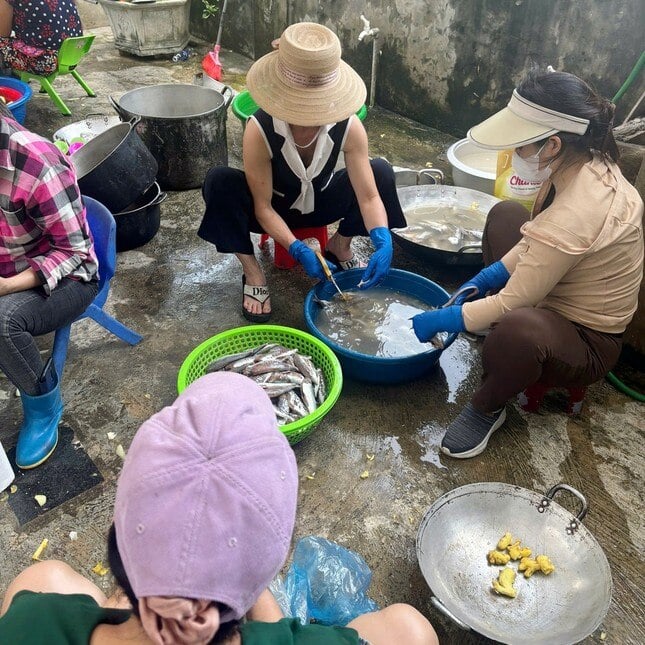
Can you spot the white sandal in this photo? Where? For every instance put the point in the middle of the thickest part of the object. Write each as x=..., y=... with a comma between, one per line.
x=260, y=294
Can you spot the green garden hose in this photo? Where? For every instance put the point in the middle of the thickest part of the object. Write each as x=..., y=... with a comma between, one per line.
x=621, y=387
x=630, y=79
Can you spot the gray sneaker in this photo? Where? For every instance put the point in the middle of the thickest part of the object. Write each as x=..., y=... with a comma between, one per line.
x=468, y=435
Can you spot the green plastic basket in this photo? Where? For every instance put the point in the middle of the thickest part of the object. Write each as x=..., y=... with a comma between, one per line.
x=240, y=339
x=244, y=106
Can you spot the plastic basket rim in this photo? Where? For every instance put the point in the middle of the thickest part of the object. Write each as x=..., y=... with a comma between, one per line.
x=295, y=427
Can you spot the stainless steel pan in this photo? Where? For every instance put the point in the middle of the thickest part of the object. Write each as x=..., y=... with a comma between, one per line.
x=414, y=198
x=461, y=527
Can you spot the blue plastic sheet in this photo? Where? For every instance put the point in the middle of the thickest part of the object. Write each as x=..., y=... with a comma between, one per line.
x=325, y=583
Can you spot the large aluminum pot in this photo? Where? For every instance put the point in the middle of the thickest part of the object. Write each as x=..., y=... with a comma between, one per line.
x=184, y=126
x=463, y=525
x=115, y=167
x=415, y=200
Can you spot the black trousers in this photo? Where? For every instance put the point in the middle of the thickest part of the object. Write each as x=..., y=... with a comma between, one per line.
x=531, y=344
x=229, y=218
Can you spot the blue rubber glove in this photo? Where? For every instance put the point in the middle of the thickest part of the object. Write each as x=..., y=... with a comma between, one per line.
x=491, y=278
x=300, y=252
x=429, y=323
x=381, y=259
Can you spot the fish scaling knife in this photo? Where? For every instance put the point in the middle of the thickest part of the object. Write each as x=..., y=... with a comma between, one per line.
x=329, y=274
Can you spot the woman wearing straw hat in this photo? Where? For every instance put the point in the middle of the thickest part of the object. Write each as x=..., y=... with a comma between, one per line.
x=307, y=97
x=564, y=279
x=204, y=511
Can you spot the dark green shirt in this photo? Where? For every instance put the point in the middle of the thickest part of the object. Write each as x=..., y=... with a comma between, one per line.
x=289, y=631
x=54, y=619
x=70, y=619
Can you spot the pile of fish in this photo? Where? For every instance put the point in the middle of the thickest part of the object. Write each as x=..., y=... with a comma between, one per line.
x=294, y=384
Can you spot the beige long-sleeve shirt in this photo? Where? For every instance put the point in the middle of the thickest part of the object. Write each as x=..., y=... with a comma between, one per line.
x=581, y=257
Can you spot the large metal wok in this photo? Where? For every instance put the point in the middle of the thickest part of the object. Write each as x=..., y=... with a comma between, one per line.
x=415, y=200
x=461, y=527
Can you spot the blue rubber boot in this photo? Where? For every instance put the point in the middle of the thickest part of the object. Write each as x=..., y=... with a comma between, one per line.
x=39, y=431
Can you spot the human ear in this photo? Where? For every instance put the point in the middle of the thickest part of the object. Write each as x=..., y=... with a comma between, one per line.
x=554, y=145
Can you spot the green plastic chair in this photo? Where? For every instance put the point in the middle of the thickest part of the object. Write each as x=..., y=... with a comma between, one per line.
x=71, y=51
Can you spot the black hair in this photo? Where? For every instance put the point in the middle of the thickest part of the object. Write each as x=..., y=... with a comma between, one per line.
x=225, y=631
x=569, y=94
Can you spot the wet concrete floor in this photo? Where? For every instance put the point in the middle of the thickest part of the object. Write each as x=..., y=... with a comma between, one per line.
x=177, y=291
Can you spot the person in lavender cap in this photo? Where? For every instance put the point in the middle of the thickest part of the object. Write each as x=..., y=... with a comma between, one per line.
x=203, y=517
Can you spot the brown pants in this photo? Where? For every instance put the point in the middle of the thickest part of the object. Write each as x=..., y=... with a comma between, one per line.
x=529, y=344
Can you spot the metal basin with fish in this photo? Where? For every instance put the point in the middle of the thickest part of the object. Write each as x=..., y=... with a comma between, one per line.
x=368, y=367
x=445, y=223
x=461, y=527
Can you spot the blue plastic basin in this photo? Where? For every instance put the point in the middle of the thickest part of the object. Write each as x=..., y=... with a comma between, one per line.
x=19, y=107
x=377, y=369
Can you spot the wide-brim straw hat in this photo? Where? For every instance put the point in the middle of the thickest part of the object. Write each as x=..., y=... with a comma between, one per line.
x=305, y=82
x=522, y=122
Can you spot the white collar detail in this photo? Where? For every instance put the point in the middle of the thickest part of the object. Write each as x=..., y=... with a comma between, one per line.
x=324, y=146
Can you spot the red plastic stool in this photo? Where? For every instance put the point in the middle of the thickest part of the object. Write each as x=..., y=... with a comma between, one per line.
x=282, y=259
x=532, y=396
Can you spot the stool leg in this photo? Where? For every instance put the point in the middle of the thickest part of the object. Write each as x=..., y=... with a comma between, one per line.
x=576, y=399
x=531, y=398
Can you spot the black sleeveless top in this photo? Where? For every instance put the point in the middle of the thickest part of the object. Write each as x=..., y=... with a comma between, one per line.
x=286, y=184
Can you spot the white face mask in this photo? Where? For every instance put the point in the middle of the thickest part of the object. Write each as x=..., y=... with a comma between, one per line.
x=528, y=168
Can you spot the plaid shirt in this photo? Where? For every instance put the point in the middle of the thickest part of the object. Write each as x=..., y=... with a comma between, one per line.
x=42, y=222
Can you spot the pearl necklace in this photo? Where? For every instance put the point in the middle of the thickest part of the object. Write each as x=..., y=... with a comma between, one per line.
x=307, y=144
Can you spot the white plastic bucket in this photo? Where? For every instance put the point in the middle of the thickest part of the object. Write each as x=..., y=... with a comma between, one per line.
x=472, y=166
x=6, y=471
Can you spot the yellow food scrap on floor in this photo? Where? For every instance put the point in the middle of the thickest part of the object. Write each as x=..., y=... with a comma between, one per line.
x=119, y=451
x=497, y=557
x=529, y=566
x=41, y=499
x=370, y=457
x=111, y=435
x=39, y=551
x=365, y=474
x=99, y=569
x=518, y=552
x=503, y=584
x=13, y=488
x=546, y=566
x=505, y=541
x=310, y=476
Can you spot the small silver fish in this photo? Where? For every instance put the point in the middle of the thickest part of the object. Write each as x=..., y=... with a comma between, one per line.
x=296, y=405
x=221, y=363
x=277, y=389
x=305, y=365
x=308, y=396
x=263, y=367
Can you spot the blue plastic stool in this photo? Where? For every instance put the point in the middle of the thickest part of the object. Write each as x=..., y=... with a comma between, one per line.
x=103, y=229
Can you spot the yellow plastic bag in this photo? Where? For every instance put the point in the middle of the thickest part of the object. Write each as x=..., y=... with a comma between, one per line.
x=508, y=185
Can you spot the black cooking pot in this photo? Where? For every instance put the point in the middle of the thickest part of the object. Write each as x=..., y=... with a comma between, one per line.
x=115, y=167
x=184, y=127
x=140, y=222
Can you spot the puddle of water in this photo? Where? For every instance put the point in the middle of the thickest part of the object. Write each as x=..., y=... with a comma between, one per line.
x=430, y=438
x=457, y=362
x=392, y=443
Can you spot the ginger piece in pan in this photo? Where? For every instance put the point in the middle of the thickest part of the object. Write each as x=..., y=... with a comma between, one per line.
x=503, y=584
x=518, y=552
x=546, y=566
x=498, y=557
x=529, y=566
x=505, y=541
